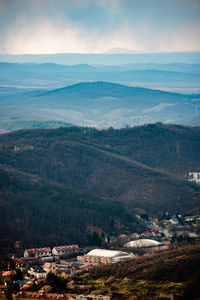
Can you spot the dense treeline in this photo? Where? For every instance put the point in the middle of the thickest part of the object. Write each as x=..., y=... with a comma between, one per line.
x=41, y=212
x=172, y=148
x=77, y=178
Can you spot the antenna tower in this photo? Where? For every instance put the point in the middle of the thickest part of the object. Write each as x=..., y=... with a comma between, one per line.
x=196, y=106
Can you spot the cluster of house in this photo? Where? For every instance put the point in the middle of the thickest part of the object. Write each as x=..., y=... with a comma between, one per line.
x=42, y=295
x=150, y=233
x=39, y=268
x=62, y=268
x=183, y=226
x=161, y=231
x=45, y=291
x=4, y=279
x=47, y=252
x=38, y=262
x=34, y=267
x=67, y=260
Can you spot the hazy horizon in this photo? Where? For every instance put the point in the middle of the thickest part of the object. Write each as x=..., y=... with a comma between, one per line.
x=116, y=59
x=94, y=26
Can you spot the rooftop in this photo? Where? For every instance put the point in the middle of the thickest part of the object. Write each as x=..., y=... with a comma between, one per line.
x=106, y=253
x=143, y=243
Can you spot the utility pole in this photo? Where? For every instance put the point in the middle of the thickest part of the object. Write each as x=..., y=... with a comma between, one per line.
x=196, y=109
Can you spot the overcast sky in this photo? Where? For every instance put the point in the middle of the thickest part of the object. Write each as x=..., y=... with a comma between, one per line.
x=96, y=26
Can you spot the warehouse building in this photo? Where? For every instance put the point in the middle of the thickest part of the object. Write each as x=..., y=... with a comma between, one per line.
x=143, y=243
x=103, y=256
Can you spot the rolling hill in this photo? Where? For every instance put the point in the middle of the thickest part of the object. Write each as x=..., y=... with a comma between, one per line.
x=99, y=95
x=44, y=212
x=100, y=104
x=122, y=171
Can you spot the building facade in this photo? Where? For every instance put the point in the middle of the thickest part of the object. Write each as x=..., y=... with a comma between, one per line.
x=37, y=252
x=194, y=177
x=65, y=250
x=92, y=297
x=103, y=256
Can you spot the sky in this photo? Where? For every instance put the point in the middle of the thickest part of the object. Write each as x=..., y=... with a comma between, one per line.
x=99, y=26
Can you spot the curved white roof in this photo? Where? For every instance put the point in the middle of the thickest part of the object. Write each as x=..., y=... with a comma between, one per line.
x=107, y=253
x=142, y=243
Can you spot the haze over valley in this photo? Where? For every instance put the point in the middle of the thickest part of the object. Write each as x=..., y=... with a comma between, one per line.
x=97, y=95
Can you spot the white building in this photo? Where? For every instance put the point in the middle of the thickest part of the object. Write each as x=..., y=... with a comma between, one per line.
x=142, y=243
x=194, y=177
x=92, y=297
x=98, y=256
x=64, y=250
x=47, y=267
x=38, y=272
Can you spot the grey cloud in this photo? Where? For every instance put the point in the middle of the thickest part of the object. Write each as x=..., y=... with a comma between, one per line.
x=95, y=25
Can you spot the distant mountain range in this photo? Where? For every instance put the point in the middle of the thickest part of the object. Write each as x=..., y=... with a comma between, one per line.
x=152, y=75
x=28, y=124
x=60, y=185
x=119, y=50
x=104, y=59
x=98, y=95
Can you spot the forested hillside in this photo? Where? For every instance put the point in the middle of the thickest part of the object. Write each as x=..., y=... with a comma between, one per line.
x=171, y=148
x=47, y=176
x=43, y=212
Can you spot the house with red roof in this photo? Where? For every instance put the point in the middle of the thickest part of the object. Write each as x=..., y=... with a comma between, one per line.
x=65, y=250
x=37, y=252
x=38, y=295
x=7, y=274
x=146, y=234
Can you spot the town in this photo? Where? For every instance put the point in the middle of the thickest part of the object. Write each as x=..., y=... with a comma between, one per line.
x=31, y=272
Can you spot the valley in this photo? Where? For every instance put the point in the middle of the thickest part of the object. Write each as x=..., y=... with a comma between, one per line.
x=98, y=95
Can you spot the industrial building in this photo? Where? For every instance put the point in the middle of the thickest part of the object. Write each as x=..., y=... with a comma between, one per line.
x=103, y=256
x=92, y=297
x=143, y=243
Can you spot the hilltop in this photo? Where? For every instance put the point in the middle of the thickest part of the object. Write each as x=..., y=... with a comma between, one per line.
x=91, y=96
